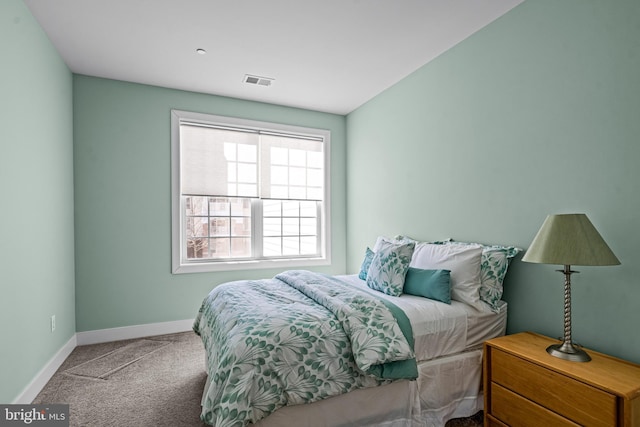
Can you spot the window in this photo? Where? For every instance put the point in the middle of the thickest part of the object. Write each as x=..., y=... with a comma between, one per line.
x=247, y=194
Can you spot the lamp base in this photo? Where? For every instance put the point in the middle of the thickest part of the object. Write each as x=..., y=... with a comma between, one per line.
x=567, y=351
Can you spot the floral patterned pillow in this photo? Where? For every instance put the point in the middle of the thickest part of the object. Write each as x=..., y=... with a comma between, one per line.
x=495, y=261
x=366, y=262
x=389, y=267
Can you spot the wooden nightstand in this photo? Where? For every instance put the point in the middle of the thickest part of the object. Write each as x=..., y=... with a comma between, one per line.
x=525, y=386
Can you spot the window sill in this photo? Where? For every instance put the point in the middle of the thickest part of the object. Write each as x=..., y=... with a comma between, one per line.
x=204, y=267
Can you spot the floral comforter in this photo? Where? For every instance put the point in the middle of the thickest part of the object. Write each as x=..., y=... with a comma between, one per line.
x=297, y=338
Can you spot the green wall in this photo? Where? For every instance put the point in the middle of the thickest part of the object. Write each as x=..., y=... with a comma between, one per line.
x=36, y=183
x=538, y=113
x=123, y=205
x=535, y=114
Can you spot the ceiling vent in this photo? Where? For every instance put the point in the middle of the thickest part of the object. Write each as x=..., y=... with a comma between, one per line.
x=256, y=80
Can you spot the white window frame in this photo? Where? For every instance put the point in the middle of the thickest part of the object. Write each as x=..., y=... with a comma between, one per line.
x=179, y=262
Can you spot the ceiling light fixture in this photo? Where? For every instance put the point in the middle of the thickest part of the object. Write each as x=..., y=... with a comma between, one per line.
x=201, y=51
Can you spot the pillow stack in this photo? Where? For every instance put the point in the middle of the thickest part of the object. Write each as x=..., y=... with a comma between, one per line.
x=494, y=264
x=471, y=273
x=464, y=264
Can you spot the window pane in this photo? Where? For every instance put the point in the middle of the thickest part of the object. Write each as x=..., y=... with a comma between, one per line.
x=315, y=177
x=271, y=208
x=297, y=157
x=272, y=227
x=219, y=247
x=272, y=246
x=308, y=245
x=298, y=176
x=241, y=226
x=197, y=248
x=196, y=205
x=308, y=209
x=290, y=246
x=219, y=227
x=279, y=156
x=279, y=175
x=308, y=226
x=241, y=247
x=247, y=173
x=290, y=226
x=315, y=159
x=218, y=207
x=291, y=208
x=240, y=207
x=197, y=227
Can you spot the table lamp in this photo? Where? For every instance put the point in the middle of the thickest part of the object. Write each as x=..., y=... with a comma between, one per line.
x=569, y=239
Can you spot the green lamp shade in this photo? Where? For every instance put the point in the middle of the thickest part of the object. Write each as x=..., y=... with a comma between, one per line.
x=569, y=239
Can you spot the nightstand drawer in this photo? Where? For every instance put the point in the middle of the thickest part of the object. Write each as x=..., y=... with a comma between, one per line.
x=573, y=399
x=515, y=410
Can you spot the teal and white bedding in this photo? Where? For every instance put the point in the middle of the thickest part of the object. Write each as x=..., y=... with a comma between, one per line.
x=297, y=338
x=444, y=329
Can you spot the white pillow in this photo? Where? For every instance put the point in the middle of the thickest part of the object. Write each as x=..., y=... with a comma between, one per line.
x=463, y=262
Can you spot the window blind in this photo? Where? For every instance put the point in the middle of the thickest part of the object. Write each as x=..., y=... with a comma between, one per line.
x=227, y=162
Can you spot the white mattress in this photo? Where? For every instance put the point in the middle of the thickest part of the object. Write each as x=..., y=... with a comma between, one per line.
x=440, y=329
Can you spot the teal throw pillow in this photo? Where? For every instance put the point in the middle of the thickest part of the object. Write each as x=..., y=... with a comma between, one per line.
x=432, y=284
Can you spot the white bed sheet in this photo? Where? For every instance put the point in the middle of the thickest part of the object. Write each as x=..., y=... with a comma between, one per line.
x=440, y=329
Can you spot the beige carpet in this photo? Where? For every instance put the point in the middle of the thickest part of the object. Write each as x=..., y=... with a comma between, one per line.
x=108, y=364
x=162, y=387
x=155, y=381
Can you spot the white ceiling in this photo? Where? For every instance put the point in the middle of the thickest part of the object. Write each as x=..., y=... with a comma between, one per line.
x=325, y=55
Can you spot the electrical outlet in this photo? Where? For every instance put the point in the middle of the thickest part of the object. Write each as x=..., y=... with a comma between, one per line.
x=53, y=323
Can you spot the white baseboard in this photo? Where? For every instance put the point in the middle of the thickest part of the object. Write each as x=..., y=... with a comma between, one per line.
x=42, y=378
x=94, y=337
x=131, y=332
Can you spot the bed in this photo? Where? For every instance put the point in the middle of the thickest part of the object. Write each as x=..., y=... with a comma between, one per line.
x=399, y=344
